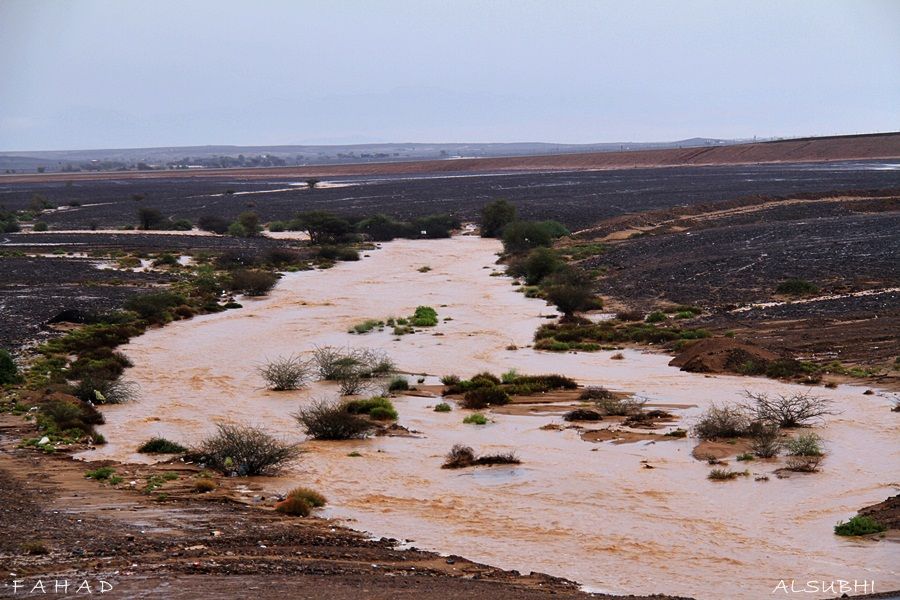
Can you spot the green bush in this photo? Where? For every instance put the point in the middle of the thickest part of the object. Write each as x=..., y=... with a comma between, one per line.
x=366, y=326
x=398, y=384
x=656, y=316
x=252, y=282
x=244, y=451
x=796, y=287
x=101, y=473
x=496, y=216
x=424, y=316
x=312, y=497
x=443, y=407
x=805, y=444
x=155, y=307
x=9, y=372
x=483, y=397
x=859, y=525
x=377, y=407
x=475, y=419
x=324, y=420
x=158, y=445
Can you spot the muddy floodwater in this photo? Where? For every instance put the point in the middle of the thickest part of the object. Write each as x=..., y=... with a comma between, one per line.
x=587, y=511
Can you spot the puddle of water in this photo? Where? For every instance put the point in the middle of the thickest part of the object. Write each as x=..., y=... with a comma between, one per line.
x=589, y=512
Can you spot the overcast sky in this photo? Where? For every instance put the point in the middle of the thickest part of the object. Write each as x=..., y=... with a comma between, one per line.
x=122, y=73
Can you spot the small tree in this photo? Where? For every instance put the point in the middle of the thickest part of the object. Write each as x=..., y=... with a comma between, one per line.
x=312, y=182
x=249, y=221
x=149, y=218
x=9, y=372
x=242, y=450
x=330, y=420
x=796, y=410
x=495, y=216
x=286, y=373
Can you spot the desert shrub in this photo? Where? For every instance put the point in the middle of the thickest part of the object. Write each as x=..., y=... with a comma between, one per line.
x=424, y=316
x=324, y=420
x=277, y=226
x=459, y=456
x=442, y=407
x=155, y=307
x=796, y=287
x=101, y=473
x=214, y=224
x=483, y=397
x=9, y=372
x=294, y=506
x=803, y=464
x=106, y=391
x=539, y=264
x=582, y=414
x=485, y=379
x=366, y=326
x=765, y=439
x=312, y=497
x=676, y=433
x=725, y=474
x=41, y=226
x=859, y=525
x=286, y=372
x=545, y=382
x=252, y=282
x=502, y=458
x=475, y=419
x=630, y=315
x=721, y=422
x=496, y=216
x=520, y=236
x=63, y=417
x=805, y=444
x=101, y=363
x=335, y=363
x=746, y=456
x=617, y=356
x=165, y=260
x=244, y=451
x=796, y=410
x=344, y=253
x=450, y=379
x=571, y=297
x=596, y=393
x=159, y=445
x=621, y=407
x=150, y=218
x=382, y=228
x=398, y=384
x=204, y=485
x=655, y=317
x=377, y=407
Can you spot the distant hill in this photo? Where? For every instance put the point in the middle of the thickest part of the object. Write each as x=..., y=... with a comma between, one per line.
x=278, y=156
x=834, y=148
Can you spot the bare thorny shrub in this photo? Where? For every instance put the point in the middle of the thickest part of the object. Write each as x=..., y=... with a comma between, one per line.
x=624, y=407
x=243, y=450
x=286, y=372
x=797, y=410
x=356, y=370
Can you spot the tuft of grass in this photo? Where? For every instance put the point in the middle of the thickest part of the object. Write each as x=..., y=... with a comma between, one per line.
x=294, y=506
x=398, y=384
x=726, y=474
x=475, y=419
x=796, y=287
x=312, y=497
x=100, y=474
x=204, y=485
x=443, y=407
x=805, y=444
x=367, y=326
x=158, y=445
x=859, y=525
x=746, y=456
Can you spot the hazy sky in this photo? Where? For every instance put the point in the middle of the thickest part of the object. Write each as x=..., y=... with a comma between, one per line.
x=107, y=74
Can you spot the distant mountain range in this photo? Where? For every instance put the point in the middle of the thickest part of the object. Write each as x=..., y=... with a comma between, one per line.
x=192, y=157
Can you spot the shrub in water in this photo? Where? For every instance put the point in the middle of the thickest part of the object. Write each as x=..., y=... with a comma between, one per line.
x=596, y=393
x=312, y=497
x=475, y=419
x=859, y=525
x=459, y=456
x=286, y=373
x=425, y=316
x=158, y=445
x=442, y=407
x=483, y=397
x=582, y=414
x=398, y=384
x=294, y=506
x=324, y=420
x=805, y=444
x=252, y=282
x=722, y=422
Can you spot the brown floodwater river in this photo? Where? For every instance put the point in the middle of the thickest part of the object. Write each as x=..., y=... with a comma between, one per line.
x=587, y=511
